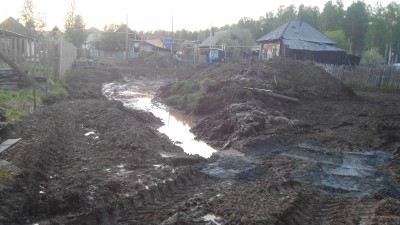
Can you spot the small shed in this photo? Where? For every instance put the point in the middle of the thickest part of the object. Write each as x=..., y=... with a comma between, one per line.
x=299, y=40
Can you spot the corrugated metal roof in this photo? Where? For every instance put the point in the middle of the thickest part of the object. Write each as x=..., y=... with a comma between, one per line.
x=296, y=30
x=213, y=40
x=310, y=46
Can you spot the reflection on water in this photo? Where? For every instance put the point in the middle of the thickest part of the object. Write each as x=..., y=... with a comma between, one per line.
x=176, y=124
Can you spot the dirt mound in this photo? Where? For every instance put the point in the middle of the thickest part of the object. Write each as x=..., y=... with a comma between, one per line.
x=238, y=121
x=244, y=98
x=83, y=84
x=295, y=78
x=79, y=154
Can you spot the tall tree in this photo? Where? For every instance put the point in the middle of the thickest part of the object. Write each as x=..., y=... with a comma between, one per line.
x=33, y=20
x=254, y=26
x=377, y=36
x=332, y=16
x=74, y=26
x=339, y=37
x=310, y=14
x=111, y=40
x=284, y=15
x=356, y=26
x=238, y=37
x=392, y=19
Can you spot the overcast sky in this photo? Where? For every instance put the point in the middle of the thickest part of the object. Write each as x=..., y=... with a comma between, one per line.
x=157, y=14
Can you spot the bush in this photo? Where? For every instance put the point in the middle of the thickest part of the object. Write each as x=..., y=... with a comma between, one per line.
x=372, y=58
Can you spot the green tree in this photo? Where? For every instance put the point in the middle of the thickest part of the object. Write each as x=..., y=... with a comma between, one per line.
x=254, y=26
x=238, y=37
x=33, y=21
x=372, y=58
x=268, y=23
x=285, y=15
x=310, y=14
x=74, y=26
x=340, y=38
x=332, y=16
x=111, y=40
x=392, y=19
x=377, y=35
x=356, y=26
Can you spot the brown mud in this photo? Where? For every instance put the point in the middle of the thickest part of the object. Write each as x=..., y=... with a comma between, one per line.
x=332, y=157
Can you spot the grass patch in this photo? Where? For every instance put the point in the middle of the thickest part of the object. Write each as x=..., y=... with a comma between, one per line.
x=58, y=88
x=18, y=103
x=5, y=178
x=187, y=94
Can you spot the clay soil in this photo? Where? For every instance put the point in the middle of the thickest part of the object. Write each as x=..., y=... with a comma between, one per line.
x=325, y=153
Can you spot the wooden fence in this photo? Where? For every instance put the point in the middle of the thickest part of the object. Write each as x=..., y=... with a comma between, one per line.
x=386, y=77
x=65, y=55
x=51, y=56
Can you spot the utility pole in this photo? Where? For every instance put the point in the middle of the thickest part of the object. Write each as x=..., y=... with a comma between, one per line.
x=398, y=53
x=172, y=41
x=126, y=40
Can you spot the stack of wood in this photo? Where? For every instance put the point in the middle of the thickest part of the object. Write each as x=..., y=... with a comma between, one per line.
x=9, y=79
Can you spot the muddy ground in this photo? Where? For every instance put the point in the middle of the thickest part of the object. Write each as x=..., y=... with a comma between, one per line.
x=328, y=154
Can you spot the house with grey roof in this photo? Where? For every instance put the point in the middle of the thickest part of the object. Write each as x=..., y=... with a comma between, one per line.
x=299, y=40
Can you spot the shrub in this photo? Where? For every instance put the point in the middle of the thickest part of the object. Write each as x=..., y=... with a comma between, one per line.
x=372, y=58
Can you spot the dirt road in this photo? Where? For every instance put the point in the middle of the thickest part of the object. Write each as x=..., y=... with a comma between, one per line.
x=332, y=159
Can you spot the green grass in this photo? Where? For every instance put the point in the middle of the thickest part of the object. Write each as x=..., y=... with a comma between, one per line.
x=58, y=88
x=5, y=178
x=187, y=94
x=18, y=103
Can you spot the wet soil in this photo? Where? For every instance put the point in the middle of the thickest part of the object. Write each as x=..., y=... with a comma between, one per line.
x=332, y=157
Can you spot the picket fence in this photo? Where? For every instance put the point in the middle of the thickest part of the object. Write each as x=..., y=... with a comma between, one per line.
x=385, y=77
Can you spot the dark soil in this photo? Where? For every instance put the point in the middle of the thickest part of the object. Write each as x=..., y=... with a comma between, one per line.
x=332, y=157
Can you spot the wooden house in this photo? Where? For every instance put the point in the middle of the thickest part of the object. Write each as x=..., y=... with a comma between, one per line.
x=299, y=40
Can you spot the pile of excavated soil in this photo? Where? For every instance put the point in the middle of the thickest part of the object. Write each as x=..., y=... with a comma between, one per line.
x=92, y=161
x=249, y=98
x=294, y=100
x=300, y=79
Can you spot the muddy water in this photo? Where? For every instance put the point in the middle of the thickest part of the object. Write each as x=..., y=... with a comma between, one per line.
x=176, y=124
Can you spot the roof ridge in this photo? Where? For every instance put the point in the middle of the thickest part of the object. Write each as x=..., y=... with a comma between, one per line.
x=283, y=32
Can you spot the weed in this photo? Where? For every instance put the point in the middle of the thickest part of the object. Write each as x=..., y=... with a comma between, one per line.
x=18, y=103
x=5, y=178
x=187, y=94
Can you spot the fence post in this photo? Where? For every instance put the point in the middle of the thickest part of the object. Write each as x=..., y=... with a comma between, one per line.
x=34, y=88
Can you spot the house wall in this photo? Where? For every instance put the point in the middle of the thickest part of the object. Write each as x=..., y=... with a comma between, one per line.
x=270, y=50
x=147, y=48
x=324, y=57
x=17, y=49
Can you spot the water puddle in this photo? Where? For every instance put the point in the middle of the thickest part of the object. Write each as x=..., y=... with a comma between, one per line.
x=176, y=124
